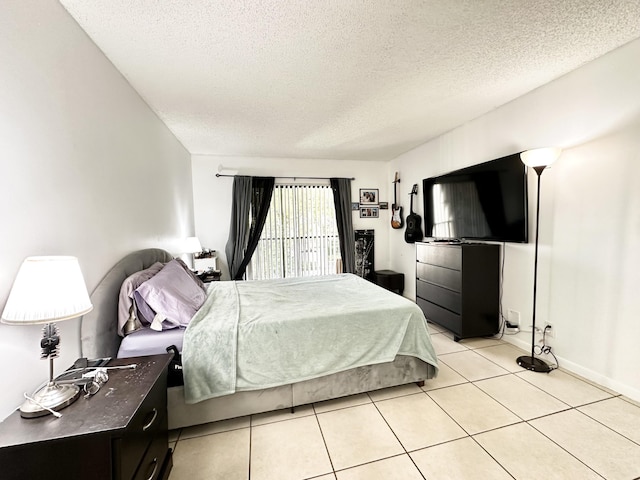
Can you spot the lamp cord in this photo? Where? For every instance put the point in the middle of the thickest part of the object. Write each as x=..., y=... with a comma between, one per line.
x=503, y=321
x=546, y=349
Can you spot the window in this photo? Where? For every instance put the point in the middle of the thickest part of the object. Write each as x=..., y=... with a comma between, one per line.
x=300, y=236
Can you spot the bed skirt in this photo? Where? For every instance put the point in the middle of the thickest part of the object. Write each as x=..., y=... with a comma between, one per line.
x=401, y=371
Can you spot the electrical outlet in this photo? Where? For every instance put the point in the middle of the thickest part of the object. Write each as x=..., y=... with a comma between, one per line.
x=513, y=317
x=550, y=331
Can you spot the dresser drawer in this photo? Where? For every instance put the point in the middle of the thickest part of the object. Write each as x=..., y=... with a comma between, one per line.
x=442, y=255
x=445, y=277
x=149, y=422
x=440, y=296
x=441, y=316
x=152, y=465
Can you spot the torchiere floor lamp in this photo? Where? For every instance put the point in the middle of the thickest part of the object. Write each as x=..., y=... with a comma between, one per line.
x=538, y=159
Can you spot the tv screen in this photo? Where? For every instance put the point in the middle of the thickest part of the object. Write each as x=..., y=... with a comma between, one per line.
x=487, y=201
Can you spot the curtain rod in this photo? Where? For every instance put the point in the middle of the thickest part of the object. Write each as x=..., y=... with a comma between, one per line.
x=291, y=178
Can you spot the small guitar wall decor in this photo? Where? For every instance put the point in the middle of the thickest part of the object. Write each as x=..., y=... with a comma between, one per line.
x=413, y=233
x=396, y=210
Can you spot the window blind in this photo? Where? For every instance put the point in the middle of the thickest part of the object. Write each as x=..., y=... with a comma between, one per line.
x=300, y=236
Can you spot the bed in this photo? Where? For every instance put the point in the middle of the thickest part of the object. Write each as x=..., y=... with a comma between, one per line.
x=393, y=357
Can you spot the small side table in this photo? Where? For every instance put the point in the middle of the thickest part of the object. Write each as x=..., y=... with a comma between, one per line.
x=390, y=280
x=119, y=433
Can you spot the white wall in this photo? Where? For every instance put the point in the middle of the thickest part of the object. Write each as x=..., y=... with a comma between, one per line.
x=590, y=213
x=212, y=195
x=86, y=169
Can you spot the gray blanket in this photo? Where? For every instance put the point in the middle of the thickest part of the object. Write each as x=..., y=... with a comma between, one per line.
x=258, y=334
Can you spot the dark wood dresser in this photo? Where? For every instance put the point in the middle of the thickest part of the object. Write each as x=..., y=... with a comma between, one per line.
x=119, y=433
x=458, y=286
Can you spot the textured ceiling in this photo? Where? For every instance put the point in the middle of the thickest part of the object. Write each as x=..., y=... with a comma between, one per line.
x=342, y=79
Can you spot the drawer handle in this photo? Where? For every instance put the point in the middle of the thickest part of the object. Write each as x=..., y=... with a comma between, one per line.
x=155, y=468
x=150, y=422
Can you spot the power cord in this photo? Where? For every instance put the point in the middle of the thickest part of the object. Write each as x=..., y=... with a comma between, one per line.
x=545, y=349
x=504, y=323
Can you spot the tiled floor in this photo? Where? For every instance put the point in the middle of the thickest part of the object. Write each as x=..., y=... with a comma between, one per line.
x=483, y=417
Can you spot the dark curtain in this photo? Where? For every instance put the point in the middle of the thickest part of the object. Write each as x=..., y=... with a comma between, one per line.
x=251, y=200
x=341, y=188
x=261, y=192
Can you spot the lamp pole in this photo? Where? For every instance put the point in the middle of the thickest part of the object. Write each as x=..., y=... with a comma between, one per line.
x=537, y=159
x=532, y=363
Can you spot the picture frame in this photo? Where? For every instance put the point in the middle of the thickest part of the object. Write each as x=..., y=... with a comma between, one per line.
x=384, y=205
x=369, y=196
x=355, y=206
x=369, y=212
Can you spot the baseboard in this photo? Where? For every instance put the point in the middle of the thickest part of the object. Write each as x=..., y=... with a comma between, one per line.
x=587, y=374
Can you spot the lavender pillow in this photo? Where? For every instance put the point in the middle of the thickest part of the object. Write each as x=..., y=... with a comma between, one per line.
x=173, y=295
x=125, y=302
x=196, y=279
x=145, y=312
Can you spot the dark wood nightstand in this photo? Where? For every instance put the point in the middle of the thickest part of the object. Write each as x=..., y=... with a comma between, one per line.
x=119, y=433
x=390, y=280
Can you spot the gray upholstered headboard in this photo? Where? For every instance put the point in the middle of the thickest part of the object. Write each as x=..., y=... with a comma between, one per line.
x=98, y=328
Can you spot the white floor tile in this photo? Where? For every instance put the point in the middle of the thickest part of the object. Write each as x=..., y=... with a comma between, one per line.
x=442, y=344
x=222, y=456
x=446, y=378
x=504, y=355
x=528, y=455
x=523, y=425
x=480, y=342
x=472, y=409
x=522, y=398
x=629, y=400
x=400, y=467
x=565, y=387
x=357, y=435
x=291, y=449
x=387, y=393
x=418, y=421
x=605, y=451
x=617, y=414
x=433, y=328
x=471, y=365
x=284, y=414
x=458, y=460
x=214, y=427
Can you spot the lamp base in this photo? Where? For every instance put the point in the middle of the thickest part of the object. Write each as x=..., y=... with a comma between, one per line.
x=52, y=396
x=534, y=364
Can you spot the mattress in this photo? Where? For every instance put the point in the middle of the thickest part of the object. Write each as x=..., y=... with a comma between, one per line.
x=149, y=342
x=253, y=335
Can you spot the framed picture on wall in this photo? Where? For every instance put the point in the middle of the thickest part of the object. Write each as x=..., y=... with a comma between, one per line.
x=369, y=212
x=384, y=205
x=355, y=206
x=368, y=196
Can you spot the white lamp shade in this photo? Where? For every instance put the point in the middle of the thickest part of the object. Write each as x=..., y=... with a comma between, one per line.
x=540, y=157
x=47, y=289
x=192, y=245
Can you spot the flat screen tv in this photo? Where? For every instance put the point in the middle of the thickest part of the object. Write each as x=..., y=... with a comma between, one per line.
x=484, y=202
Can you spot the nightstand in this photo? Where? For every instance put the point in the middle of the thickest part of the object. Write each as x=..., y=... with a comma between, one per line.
x=390, y=280
x=119, y=433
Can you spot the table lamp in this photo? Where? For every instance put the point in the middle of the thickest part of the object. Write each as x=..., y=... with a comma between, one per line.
x=47, y=290
x=192, y=245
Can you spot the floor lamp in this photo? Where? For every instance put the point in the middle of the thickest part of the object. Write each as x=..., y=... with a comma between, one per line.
x=537, y=159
